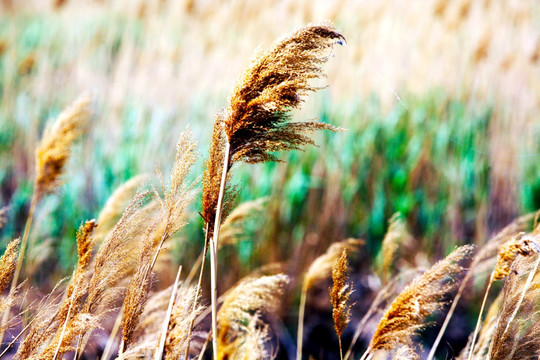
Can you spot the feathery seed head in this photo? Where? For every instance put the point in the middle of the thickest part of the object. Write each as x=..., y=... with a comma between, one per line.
x=55, y=146
x=250, y=298
x=8, y=262
x=520, y=245
x=276, y=81
x=422, y=297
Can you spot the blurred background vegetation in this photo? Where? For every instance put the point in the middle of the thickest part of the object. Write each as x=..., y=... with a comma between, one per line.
x=440, y=100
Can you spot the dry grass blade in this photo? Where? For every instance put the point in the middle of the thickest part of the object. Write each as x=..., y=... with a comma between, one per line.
x=421, y=298
x=340, y=293
x=159, y=351
x=241, y=306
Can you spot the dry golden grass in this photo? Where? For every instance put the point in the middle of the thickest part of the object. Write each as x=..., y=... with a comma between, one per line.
x=421, y=298
x=517, y=334
x=239, y=316
x=54, y=334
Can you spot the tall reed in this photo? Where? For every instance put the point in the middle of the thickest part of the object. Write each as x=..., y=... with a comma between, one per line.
x=51, y=155
x=256, y=122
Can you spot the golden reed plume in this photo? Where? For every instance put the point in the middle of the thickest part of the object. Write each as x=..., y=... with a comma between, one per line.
x=256, y=122
x=55, y=147
x=418, y=300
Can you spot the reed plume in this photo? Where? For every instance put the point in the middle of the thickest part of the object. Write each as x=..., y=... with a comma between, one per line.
x=146, y=334
x=421, y=298
x=256, y=122
x=241, y=309
x=320, y=269
x=179, y=335
x=485, y=255
x=396, y=235
x=233, y=228
x=173, y=205
x=520, y=245
x=340, y=294
x=381, y=302
x=51, y=156
x=517, y=334
x=54, y=148
x=8, y=262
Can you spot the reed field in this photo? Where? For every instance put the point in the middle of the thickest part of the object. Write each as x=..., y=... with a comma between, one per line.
x=293, y=179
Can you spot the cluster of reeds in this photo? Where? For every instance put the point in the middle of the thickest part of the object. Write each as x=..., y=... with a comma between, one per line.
x=118, y=255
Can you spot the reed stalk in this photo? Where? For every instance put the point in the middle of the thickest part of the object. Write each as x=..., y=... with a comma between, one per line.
x=214, y=248
x=198, y=291
x=479, y=320
x=301, y=313
x=159, y=352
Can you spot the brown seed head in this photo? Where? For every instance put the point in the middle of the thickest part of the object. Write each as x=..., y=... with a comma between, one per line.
x=256, y=120
x=340, y=294
x=321, y=267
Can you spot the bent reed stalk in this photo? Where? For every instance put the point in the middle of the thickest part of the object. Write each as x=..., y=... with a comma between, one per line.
x=256, y=122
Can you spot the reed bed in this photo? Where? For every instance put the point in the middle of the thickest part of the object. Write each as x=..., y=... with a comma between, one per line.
x=117, y=303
